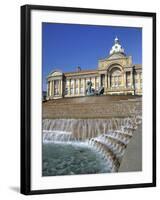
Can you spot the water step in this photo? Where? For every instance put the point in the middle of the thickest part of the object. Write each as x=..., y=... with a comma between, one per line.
x=119, y=136
x=110, y=157
x=114, y=145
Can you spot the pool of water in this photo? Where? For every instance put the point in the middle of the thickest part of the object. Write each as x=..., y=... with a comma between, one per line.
x=71, y=158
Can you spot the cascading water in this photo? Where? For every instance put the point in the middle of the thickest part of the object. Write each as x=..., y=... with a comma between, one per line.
x=50, y=136
x=83, y=129
x=108, y=137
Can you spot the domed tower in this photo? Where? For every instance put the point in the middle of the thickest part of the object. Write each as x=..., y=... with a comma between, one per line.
x=118, y=71
x=116, y=48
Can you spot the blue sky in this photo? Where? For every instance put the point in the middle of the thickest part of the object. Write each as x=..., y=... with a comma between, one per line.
x=65, y=46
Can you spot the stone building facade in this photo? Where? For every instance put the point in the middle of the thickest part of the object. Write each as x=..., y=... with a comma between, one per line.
x=116, y=74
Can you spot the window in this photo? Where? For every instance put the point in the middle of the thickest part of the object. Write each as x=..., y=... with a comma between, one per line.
x=102, y=79
x=77, y=90
x=71, y=90
x=56, y=87
x=128, y=79
x=136, y=85
x=116, y=78
x=81, y=90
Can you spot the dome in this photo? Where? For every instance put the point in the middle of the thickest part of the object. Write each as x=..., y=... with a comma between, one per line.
x=116, y=48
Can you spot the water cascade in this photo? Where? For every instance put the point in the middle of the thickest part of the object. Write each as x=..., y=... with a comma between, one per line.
x=109, y=137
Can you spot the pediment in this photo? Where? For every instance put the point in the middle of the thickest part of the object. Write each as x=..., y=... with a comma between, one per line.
x=55, y=73
x=116, y=56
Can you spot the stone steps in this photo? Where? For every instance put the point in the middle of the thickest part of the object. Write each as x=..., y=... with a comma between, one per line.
x=96, y=98
x=83, y=111
x=92, y=107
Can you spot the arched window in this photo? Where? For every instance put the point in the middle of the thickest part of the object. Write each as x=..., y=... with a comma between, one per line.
x=116, y=77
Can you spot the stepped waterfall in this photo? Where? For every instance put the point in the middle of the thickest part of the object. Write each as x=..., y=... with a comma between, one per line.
x=107, y=137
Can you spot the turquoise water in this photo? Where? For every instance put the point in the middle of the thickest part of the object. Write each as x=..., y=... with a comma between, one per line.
x=70, y=159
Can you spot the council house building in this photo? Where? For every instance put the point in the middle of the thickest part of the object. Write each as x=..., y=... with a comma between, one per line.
x=115, y=73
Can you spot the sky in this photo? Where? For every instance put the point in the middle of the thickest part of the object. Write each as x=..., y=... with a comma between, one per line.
x=66, y=46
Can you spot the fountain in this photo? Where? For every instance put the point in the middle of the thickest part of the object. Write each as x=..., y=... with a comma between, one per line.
x=109, y=137
x=88, y=129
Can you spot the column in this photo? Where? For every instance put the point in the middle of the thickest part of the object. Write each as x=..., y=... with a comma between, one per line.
x=50, y=94
x=105, y=81
x=79, y=86
x=53, y=88
x=124, y=79
x=100, y=80
x=109, y=81
x=95, y=83
x=69, y=87
x=47, y=88
x=84, y=85
x=139, y=81
x=61, y=87
x=74, y=87
x=131, y=77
